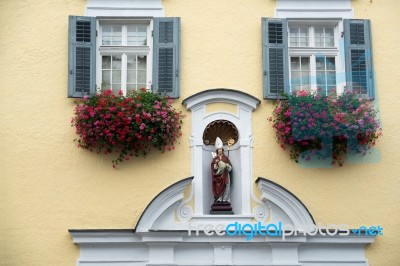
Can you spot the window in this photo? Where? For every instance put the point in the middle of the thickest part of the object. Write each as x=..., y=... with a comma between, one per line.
x=123, y=54
x=313, y=56
x=317, y=55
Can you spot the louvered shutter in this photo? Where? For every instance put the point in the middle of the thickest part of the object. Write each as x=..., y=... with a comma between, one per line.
x=359, y=66
x=81, y=56
x=166, y=59
x=275, y=58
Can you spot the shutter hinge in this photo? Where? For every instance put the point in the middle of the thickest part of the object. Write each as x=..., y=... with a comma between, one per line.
x=152, y=33
x=96, y=33
x=342, y=34
x=177, y=73
x=265, y=73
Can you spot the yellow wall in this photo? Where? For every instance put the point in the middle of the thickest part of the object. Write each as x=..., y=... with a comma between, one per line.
x=49, y=186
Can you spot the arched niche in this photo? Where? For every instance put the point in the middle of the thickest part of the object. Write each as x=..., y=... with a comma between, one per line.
x=234, y=107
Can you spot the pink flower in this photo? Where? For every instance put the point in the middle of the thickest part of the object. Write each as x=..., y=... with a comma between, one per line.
x=302, y=93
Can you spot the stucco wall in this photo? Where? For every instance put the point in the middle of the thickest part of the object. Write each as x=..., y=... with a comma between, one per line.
x=49, y=186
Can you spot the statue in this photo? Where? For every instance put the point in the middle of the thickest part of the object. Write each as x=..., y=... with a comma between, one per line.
x=221, y=183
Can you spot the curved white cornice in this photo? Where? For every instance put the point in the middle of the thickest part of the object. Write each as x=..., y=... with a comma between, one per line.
x=285, y=203
x=161, y=208
x=221, y=95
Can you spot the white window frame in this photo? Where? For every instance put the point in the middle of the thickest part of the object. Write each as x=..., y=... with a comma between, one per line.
x=311, y=51
x=124, y=50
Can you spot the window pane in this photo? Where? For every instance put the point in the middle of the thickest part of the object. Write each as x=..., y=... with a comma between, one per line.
x=117, y=35
x=137, y=71
x=296, y=78
x=111, y=35
x=305, y=63
x=116, y=62
x=329, y=32
x=329, y=42
x=303, y=32
x=319, y=32
x=326, y=74
x=106, y=31
x=116, y=76
x=131, y=62
x=116, y=41
x=141, y=76
x=106, y=62
x=331, y=77
x=298, y=36
x=137, y=35
x=303, y=42
x=117, y=30
x=300, y=73
x=305, y=79
x=330, y=63
x=116, y=88
x=319, y=42
x=106, y=80
x=142, y=62
x=295, y=63
x=324, y=37
x=320, y=63
x=106, y=41
x=293, y=32
x=142, y=30
x=320, y=78
x=131, y=76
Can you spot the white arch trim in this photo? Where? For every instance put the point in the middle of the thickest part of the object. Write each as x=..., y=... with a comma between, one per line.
x=160, y=213
x=221, y=95
x=284, y=202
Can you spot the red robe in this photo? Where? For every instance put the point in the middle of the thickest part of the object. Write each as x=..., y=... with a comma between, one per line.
x=219, y=182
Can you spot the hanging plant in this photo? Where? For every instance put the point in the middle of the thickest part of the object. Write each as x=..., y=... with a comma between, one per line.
x=315, y=126
x=130, y=125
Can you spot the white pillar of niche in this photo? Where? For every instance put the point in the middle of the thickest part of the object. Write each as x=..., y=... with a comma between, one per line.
x=236, y=107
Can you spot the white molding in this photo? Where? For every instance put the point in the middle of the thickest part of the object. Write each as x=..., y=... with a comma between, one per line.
x=124, y=8
x=124, y=247
x=314, y=9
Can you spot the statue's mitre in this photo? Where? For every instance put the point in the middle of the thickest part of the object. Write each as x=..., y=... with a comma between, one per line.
x=218, y=143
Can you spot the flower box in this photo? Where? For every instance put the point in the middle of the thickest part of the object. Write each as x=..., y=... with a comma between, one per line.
x=324, y=127
x=130, y=125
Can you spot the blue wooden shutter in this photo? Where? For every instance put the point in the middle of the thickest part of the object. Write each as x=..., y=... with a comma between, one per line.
x=275, y=58
x=81, y=56
x=166, y=56
x=359, y=67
